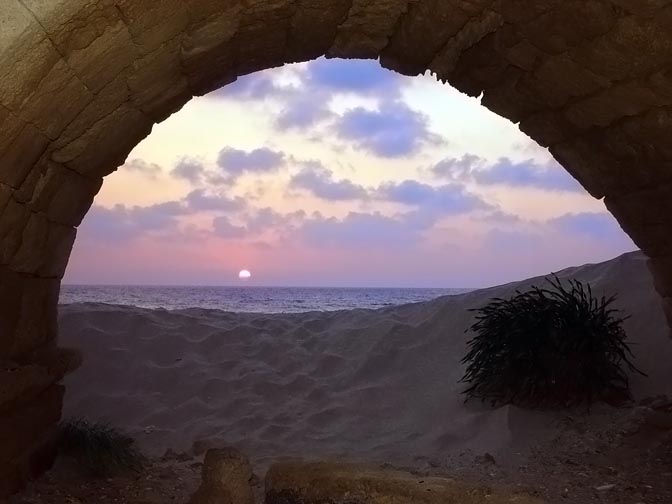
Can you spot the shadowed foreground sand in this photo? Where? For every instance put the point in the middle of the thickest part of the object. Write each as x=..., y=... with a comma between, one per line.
x=373, y=385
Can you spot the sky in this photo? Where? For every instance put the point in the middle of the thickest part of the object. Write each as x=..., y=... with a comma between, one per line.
x=339, y=173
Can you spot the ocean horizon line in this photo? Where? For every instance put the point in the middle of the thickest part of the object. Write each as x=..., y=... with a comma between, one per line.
x=259, y=286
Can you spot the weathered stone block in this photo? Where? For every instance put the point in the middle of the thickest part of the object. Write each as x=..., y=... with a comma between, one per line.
x=14, y=220
x=618, y=54
x=22, y=427
x=63, y=195
x=149, y=24
x=558, y=79
x=207, y=55
x=261, y=39
x=105, y=146
x=661, y=269
x=313, y=28
x=368, y=27
x=26, y=55
x=29, y=440
x=38, y=247
x=316, y=483
x=620, y=100
x=473, y=31
x=667, y=308
x=106, y=57
x=57, y=97
x=107, y=101
x=424, y=30
x=225, y=479
x=35, y=322
x=157, y=85
x=11, y=290
x=558, y=27
x=21, y=145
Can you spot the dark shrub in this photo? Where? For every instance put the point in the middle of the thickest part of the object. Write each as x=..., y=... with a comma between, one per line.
x=100, y=449
x=551, y=347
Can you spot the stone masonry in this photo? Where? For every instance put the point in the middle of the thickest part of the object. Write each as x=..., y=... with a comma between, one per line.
x=83, y=81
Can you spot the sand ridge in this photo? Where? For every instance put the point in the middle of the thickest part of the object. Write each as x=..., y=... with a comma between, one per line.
x=374, y=385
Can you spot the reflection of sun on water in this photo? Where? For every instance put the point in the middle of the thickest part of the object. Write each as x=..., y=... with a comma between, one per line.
x=244, y=275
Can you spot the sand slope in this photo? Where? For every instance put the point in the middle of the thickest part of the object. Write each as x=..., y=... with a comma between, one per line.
x=375, y=385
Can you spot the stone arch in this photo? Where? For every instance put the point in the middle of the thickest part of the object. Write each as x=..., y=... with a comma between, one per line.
x=83, y=81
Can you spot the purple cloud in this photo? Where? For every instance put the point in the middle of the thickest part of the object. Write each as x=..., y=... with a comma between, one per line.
x=457, y=168
x=190, y=170
x=199, y=200
x=393, y=131
x=235, y=162
x=549, y=176
x=599, y=225
x=150, y=170
x=359, y=229
x=450, y=199
x=121, y=223
x=320, y=182
x=224, y=229
x=353, y=76
x=267, y=218
x=302, y=112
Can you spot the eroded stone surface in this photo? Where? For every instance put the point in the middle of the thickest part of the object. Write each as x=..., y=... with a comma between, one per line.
x=83, y=81
x=225, y=479
x=319, y=482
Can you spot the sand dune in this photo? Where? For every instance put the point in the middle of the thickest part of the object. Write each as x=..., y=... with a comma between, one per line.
x=374, y=385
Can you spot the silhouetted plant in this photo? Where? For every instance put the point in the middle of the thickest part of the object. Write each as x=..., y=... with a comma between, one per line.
x=99, y=449
x=552, y=347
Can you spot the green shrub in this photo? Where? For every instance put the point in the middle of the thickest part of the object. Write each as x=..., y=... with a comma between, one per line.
x=552, y=347
x=100, y=449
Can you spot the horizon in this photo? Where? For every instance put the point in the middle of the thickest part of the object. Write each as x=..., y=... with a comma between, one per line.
x=247, y=284
x=339, y=173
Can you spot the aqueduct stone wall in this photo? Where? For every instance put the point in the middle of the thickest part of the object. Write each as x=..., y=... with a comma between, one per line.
x=83, y=81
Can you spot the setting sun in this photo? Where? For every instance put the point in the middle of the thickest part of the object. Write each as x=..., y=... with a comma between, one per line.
x=244, y=275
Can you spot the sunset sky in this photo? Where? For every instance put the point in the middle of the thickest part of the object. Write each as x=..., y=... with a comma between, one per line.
x=339, y=173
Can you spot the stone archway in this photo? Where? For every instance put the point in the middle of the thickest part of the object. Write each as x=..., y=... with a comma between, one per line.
x=83, y=81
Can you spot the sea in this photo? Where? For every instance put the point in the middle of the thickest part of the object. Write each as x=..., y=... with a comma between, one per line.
x=249, y=298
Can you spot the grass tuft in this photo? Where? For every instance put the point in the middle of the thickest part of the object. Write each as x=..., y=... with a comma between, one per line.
x=98, y=448
x=546, y=348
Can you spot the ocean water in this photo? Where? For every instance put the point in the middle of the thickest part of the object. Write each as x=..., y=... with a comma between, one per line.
x=248, y=298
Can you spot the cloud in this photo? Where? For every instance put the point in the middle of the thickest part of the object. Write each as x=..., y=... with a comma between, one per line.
x=364, y=77
x=267, y=218
x=457, y=168
x=189, y=169
x=320, y=182
x=598, y=225
x=150, y=170
x=450, y=199
x=549, y=176
x=392, y=131
x=121, y=223
x=302, y=112
x=304, y=99
x=224, y=229
x=498, y=216
x=199, y=200
x=235, y=163
x=356, y=230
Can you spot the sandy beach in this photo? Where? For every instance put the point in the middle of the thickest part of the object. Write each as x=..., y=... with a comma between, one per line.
x=365, y=385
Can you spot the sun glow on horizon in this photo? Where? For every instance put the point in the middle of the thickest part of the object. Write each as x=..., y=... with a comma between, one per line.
x=244, y=275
